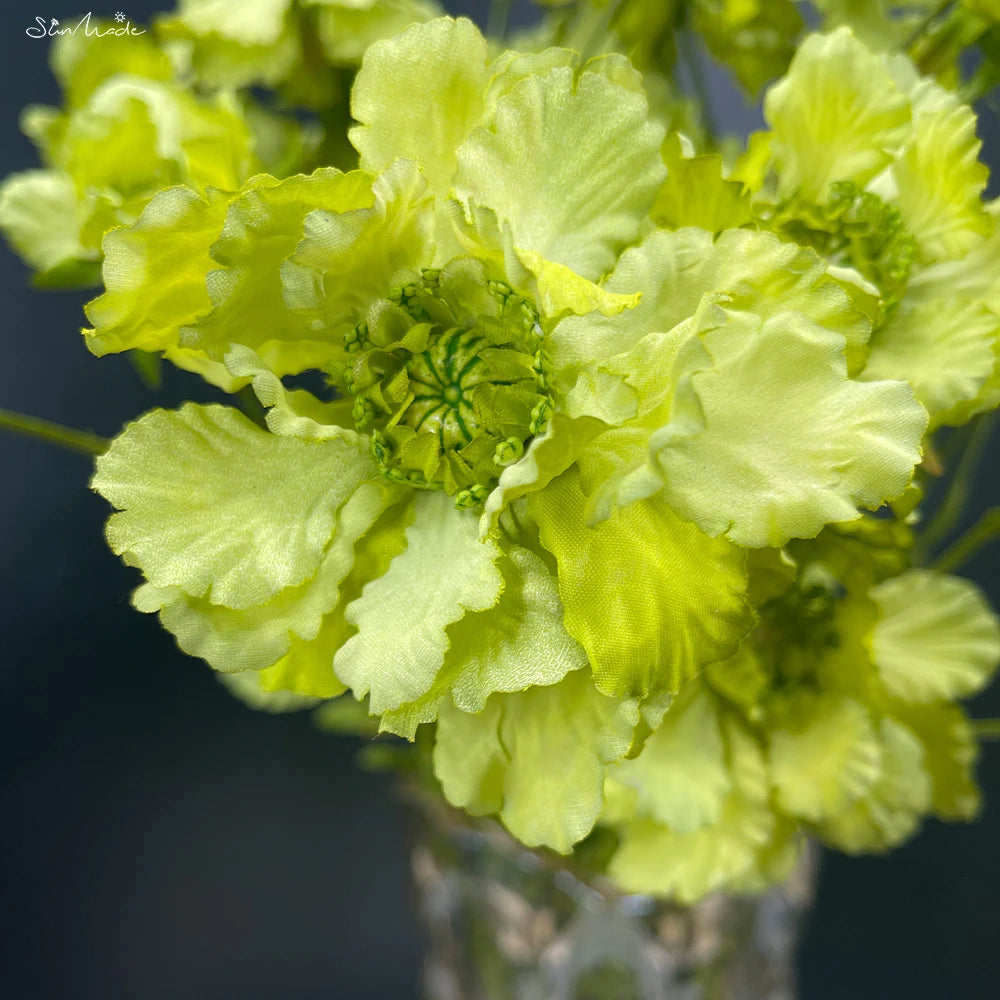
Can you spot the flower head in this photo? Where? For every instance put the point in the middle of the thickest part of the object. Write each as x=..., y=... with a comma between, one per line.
x=569, y=458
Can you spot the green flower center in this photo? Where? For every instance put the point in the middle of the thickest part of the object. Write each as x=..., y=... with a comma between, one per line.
x=856, y=228
x=450, y=379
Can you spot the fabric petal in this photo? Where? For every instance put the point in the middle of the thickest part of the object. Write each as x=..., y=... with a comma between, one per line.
x=936, y=638
x=445, y=572
x=836, y=116
x=650, y=598
x=769, y=440
x=211, y=504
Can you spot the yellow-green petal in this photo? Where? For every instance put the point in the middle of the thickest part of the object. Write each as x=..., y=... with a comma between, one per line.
x=519, y=643
x=945, y=348
x=891, y=810
x=649, y=597
x=578, y=210
x=939, y=180
x=210, y=503
x=681, y=777
x=836, y=116
x=768, y=438
x=418, y=96
x=824, y=756
x=539, y=757
x=154, y=273
x=936, y=637
x=444, y=572
x=258, y=637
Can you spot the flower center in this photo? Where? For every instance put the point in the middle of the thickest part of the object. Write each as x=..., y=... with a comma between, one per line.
x=449, y=378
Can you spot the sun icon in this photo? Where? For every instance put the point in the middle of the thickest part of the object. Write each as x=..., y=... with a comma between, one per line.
x=120, y=16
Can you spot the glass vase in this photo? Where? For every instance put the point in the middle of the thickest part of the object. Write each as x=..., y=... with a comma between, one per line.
x=507, y=923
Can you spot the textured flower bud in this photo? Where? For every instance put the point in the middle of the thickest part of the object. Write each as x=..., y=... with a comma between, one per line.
x=450, y=380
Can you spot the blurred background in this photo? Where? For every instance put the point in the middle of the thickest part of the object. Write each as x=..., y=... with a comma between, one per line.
x=160, y=840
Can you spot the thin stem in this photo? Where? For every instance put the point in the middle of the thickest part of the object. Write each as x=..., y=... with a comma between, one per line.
x=927, y=23
x=987, y=730
x=496, y=20
x=956, y=499
x=587, y=31
x=982, y=533
x=46, y=430
x=699, y=80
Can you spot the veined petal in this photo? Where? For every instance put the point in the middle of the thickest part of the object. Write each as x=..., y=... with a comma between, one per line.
x=349, y=258
x=258, y=637
x=769, y=440
x=650, y=598
x=891, y=810
x=445, y=572
x=510, y=749
x=681, y=777
x=41, y=217
x=652, y=857
x=519, y=643
x=947, y=349
x=263, y=226
x=580, y=210
x=939, y=180
x=418, y=95
x=936, y=638
x=751, y=271
x=555, y=288
x=823, y=757
x=154, y=273
x=836, y=116
x=950, y=751
x=220, y=509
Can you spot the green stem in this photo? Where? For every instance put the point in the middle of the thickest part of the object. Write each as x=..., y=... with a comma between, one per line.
x=45, y=430
x=982, y=533
x=496, y=20
x=588, y=29
x=688, y=50
x=927, y=23
x=956, y=499
x=987, y=730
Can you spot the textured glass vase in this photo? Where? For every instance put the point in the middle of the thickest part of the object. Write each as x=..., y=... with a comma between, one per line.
x=507, y=923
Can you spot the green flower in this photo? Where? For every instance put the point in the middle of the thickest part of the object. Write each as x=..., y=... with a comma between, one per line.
x=290, y=44
x=835, y=718
x=438, y=352
x=877, y=168
x=562, y=449
x=129, y=129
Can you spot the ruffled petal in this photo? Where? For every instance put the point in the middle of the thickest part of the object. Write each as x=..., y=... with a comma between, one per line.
x=650, y=598
x=936, y=638
x=769, y=440
x=209, y=503
x=418, y=96
x=503, y=759
x=445, y=572
x=581, y=210
x=519, y=643
x=836, y=116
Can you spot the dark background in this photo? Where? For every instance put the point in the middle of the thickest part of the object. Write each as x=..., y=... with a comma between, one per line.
x=160, y=840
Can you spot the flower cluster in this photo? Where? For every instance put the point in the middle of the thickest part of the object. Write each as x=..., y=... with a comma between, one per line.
x=174, y=106
x=588, y=488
